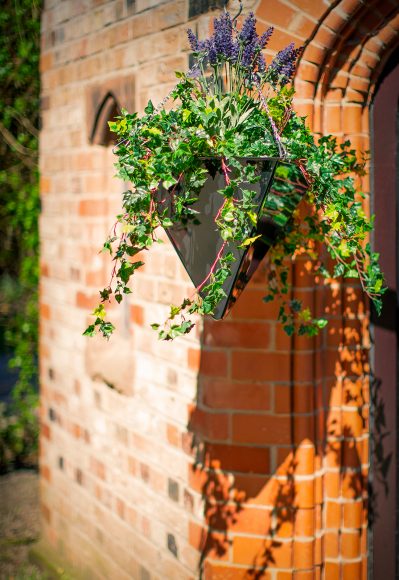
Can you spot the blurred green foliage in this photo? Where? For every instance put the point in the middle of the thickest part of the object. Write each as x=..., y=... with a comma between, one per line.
x=19, y=212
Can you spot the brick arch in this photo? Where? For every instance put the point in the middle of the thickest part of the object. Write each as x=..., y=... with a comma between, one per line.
x=342, y=61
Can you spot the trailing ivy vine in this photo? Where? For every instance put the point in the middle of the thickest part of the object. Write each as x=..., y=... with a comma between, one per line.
x=19, y=211
x=232, y=105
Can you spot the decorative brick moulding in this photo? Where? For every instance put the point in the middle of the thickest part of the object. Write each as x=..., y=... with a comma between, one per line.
x=242, y=453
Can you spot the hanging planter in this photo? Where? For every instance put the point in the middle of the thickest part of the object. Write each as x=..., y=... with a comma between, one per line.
x=198, y=242
x=222, y=172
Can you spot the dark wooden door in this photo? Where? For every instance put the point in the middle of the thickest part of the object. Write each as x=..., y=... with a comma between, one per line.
x=384, y=547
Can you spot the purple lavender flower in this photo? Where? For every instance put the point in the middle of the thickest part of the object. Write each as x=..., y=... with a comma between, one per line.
x=195, y=44
x=248, y=31
x=193, y=40
x=248, y=56
x=264, y=39
x=283, y=65
x=261, y=64
x=211, y=51
x=235, y=51
x=223, y=35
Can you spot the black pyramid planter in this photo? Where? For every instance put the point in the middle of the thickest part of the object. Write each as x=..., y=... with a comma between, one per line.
x=198, y=242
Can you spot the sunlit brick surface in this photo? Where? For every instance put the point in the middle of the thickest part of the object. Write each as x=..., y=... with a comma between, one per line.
x=236, y=449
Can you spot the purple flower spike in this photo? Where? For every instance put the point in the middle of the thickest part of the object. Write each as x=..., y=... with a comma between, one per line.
x=284, y=63
x=235, y=51
x=247, y=56
x=264, y=39
x=248, y=31
x=211, y=52
x=193, y=40
x=223, y=36
x=261, y=64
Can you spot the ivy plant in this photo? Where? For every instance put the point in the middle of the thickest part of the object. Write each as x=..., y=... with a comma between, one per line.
x=233, y=105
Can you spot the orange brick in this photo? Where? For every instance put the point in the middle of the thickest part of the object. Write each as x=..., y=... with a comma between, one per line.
x=137, y=315
x=212, y=543
x=351, y=570
x=93, y=208
x=350, y=544
x=304, y=494
x=332, y=484
x=173, y=435
x=259, y=552
x=333, y=515
x=251, y=521
x=352, y=484
x=213, y=571
x=332, y=571
x=352, y=514
x=86, y=302
x=303, y=554
x=304, y=522
x=331, y=545
x=304, y=460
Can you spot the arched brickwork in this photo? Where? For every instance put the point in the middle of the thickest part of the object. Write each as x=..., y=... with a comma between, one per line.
x=303, y=404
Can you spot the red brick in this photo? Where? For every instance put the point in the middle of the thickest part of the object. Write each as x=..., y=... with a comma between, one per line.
x=283, y=402
x=259, y=366
x=213, y=363
x=238, y=458
x=210, y=425
x=225, y=394
x=261, y=429
x=250, y=306
x=237, y=334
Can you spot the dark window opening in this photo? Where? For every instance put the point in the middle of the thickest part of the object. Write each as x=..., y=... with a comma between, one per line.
x=107, y=111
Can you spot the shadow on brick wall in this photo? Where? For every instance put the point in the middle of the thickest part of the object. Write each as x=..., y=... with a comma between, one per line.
x=280, y=442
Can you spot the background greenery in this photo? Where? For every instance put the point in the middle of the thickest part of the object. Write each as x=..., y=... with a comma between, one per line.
x=19, y=210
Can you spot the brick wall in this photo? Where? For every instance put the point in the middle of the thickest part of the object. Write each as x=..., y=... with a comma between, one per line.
x=235, y=449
